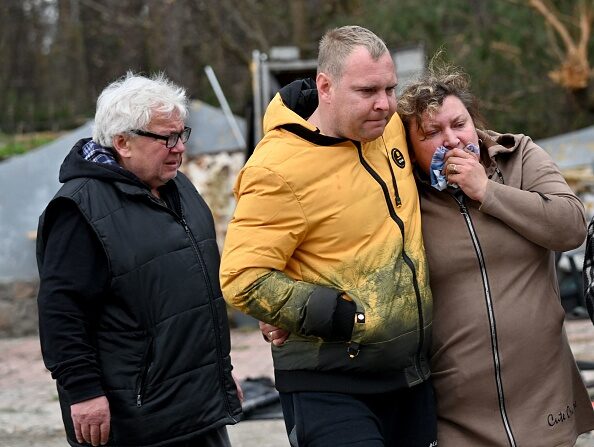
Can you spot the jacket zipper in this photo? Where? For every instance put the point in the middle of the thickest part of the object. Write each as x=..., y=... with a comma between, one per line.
x=405, y=256
x=212, y=310
x=147, y=363
x=491, y=314
x=179, y=216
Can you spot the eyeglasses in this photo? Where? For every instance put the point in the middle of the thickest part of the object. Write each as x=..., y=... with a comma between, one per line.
x=170, y=140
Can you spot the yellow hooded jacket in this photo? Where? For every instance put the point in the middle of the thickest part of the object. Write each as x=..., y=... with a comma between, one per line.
x=318, y=217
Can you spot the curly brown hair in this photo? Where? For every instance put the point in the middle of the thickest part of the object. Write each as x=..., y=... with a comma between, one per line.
x=426, y=94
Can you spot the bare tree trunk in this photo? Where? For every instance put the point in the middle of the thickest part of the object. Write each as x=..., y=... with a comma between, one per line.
x=299, y=15
x=574, y=71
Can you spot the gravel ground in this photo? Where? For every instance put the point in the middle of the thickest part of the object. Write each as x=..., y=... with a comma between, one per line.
x=30, y=412
x=29, y=409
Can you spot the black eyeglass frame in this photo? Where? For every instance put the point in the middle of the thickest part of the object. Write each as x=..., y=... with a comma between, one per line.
x=170, y=140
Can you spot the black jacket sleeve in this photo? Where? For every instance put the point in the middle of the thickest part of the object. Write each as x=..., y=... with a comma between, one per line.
x=588, y=271
x=74, y=277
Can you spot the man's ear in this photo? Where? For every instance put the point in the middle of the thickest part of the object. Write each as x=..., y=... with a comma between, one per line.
x=121, y=145
x=324, y=86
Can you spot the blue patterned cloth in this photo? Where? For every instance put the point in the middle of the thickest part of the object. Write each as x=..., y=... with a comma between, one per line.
x=96, y=153
x=438, y=179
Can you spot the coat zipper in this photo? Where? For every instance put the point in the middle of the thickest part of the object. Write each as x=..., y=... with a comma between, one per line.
x=212, y=310
x=491, y=314
x=179, y=216
x=147, y=363
x=405, y=257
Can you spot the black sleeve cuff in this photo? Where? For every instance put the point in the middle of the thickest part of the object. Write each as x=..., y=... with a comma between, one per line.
x=344, y=320
x=328, y=315
x=319, y=312
x=80, y=393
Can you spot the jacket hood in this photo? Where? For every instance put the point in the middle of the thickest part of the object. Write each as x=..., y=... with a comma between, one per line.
x=75, y=166
x=293, y=104
x=290, y=109
x=494, y=144
x=499, y=143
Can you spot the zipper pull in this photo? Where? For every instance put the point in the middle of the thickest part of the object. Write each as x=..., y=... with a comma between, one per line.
x=184, y=224
x=139, y=400
x=458, y=196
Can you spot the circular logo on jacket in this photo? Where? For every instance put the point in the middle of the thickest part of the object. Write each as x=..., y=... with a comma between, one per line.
x=398, y=158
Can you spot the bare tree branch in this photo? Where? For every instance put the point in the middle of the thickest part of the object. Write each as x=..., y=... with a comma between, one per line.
x=585, y=26
x=551, y=15
x=574, y=71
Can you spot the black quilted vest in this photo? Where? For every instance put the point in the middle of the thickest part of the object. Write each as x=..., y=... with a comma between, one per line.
x=162, y=337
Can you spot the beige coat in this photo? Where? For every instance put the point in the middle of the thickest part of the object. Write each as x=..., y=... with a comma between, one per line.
x=502, y=367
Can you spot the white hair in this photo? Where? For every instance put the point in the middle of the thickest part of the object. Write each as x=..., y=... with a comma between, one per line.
x=131, y=103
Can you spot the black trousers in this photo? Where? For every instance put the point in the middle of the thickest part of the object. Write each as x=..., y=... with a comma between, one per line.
x=213, y=438
x=402, y=418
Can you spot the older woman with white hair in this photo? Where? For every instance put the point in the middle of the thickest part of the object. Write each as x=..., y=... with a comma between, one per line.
x=132, y=323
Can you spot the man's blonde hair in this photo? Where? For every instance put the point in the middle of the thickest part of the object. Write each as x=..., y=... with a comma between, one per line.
x=338, y=43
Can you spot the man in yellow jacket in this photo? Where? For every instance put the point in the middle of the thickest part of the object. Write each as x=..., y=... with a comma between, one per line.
x=326, y=244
